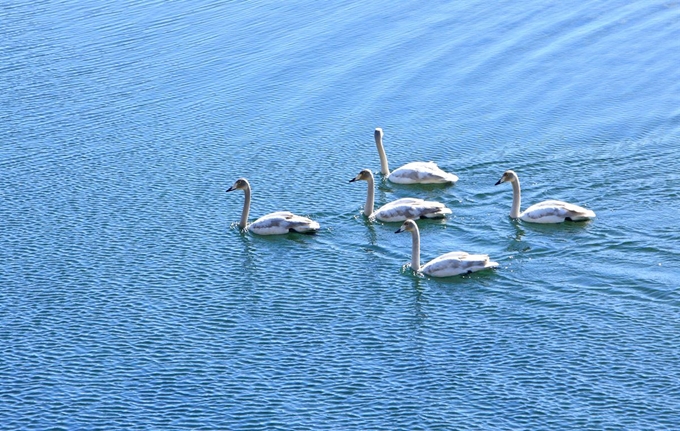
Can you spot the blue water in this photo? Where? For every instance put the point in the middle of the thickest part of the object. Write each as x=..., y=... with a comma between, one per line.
x=129, y=298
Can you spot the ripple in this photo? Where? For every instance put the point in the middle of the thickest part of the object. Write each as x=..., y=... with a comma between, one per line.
x=131, y=299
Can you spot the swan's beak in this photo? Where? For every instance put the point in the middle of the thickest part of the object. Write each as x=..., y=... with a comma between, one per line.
x=498, y=182
x=399, y=230
x=352, y=180
x=231, y=189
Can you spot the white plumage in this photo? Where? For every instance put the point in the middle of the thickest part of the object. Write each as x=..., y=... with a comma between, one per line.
x=401, y=209
x=411, y=173
x=446, y=265
x=550, y=211
x=276, y=223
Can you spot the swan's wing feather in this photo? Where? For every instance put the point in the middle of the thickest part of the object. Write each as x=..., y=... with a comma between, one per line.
x=457, y=262
x=457, y=255
x=394, y=213
x=550, y=203
x=403, y=202
x=421, y=173
x=282, y=222
x=270, y=224
x=278, y=214
x=410, y=208
x=553, y=211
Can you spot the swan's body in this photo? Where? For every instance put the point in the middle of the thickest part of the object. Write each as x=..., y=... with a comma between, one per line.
x=276, y=223
x=401, y=209
x=446, y=265
x=411, y=173
x=543, y=212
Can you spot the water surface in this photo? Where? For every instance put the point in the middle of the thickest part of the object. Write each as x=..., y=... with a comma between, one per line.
x=131, y=300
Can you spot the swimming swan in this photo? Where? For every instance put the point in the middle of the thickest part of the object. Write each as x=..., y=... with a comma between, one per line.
x=543, y=212
x=411, y=173
x=401, y=209
x=446, y=265
x=275, y=223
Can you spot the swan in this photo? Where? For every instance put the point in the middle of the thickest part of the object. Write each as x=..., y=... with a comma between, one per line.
x=411, y=173
x=543, y=212
x=446, y=265
x=276, y=223
x=401, y=209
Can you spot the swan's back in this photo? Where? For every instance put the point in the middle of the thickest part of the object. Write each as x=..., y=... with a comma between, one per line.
x=282, y=222
x=421, y=173
x=410, y=208
x=455, y=263
x=553, y=211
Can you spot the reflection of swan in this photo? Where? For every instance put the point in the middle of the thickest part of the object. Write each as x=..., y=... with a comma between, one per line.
x=271, y=224
x=411, y=173
x=543, y=212
x=446, y=265
x=401, y=209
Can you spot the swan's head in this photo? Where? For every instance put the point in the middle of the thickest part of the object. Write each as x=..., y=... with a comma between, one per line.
x=240, y=184
x=378, y=134
x=508, y=176
x=364, y=175
x=409, y=225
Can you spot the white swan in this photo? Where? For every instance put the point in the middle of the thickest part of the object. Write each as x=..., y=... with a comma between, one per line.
x=543, y=212
x=446, y=265
x=411, y=173
x=271, y=224
x=401, y=209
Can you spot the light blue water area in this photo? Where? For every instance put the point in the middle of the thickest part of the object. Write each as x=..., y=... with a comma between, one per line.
x=130, y=299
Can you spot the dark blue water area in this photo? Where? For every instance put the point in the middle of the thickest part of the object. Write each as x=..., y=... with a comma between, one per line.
x=130, y=299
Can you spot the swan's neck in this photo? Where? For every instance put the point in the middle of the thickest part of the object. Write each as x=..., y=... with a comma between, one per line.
x=415, y=250
x=246, y=209
x=384, y=168
x=370, y=198
x=516, y=199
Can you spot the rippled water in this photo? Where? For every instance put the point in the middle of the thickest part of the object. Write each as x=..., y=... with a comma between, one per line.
x=131, y=300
